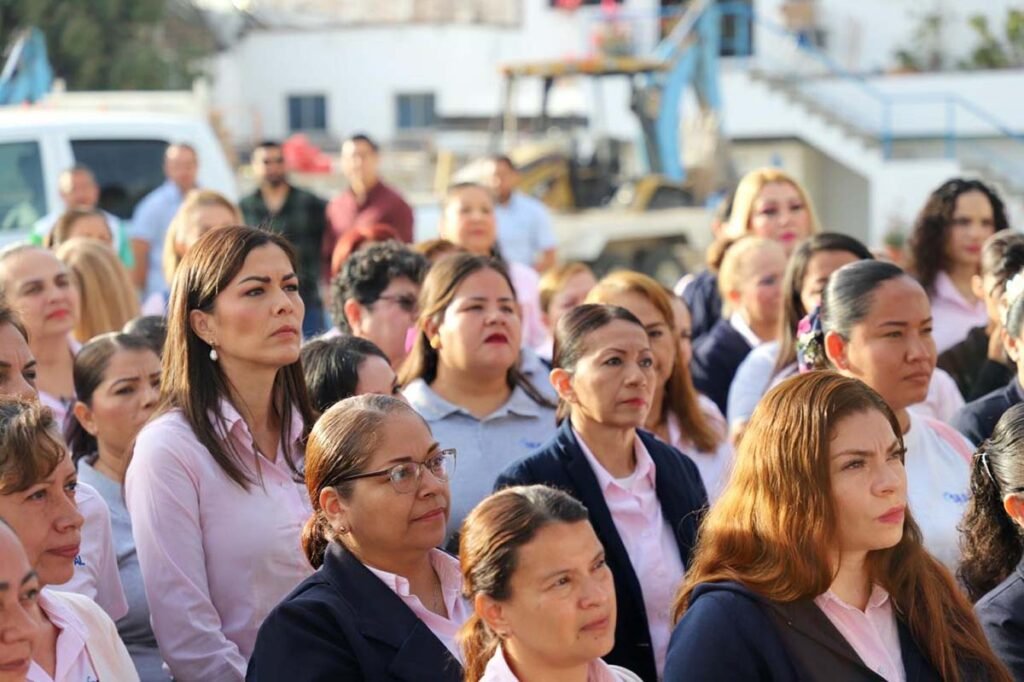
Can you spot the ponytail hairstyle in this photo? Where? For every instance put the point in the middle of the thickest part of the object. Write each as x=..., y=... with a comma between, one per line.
x=341, y=443
x=845, y=302
x=89, y=371
x=437, y=293
x=793, y=283
x=489, y=545
x=991, y=542
x=572, y=332
x=331, y=367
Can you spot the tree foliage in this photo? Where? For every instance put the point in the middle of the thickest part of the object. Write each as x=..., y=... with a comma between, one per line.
x=115, y=44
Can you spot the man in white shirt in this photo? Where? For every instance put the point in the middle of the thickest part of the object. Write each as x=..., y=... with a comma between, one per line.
x=525, y=234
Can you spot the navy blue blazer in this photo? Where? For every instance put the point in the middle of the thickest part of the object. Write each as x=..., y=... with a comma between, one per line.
x=716, y=357
x=977, y=419
x=705, y=303
x=729, y=633
x=343, y=623
x=1001, y=613
x=561, y=463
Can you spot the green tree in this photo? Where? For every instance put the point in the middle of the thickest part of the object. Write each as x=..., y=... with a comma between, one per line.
x=115, y=44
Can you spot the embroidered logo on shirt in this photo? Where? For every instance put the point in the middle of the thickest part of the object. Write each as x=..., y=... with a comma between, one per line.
x=79, y=561
x=530, y=444
x=958, y=498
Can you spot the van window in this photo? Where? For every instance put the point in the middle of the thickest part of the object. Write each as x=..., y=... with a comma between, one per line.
x=22, y=198
x=126, y=170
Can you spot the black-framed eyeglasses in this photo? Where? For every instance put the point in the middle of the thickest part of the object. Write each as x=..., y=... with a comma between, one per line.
x=407, y=302
x=405, y=477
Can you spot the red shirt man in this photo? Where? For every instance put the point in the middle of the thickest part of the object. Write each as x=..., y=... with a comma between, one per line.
x=367, y=201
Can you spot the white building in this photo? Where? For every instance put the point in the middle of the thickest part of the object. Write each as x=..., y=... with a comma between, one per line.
x=868, y=146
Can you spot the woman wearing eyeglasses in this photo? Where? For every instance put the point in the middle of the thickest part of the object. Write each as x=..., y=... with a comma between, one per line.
x=384, y=604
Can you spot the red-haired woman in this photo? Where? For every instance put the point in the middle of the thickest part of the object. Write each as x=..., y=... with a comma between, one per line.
x=810, y=566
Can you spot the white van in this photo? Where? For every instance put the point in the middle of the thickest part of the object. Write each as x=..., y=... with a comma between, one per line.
x=124, y=149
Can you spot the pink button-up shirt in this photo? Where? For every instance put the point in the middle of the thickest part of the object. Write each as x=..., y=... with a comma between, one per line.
x=459, y=611
x=952, y=315
x=216, y=558
x=872, y=632
x=73, y=664
x=714, y=466
x=652, y=548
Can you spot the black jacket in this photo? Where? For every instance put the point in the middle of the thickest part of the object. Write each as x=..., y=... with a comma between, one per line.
x=716, y=357
x=705, y=303
x=343, y=623
x=561, y=463
x=978, y=418
x=730, y=633
x=968, y=363
x=1001, y=613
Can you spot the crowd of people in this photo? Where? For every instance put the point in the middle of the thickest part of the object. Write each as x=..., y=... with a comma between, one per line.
x=280, y=440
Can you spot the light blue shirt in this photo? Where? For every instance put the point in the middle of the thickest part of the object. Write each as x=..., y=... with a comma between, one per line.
x=485, y=447
x=524, y=229
x=149, y=224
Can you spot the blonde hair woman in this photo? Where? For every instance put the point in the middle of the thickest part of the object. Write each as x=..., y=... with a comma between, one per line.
x=108, y=298
x=768, y=203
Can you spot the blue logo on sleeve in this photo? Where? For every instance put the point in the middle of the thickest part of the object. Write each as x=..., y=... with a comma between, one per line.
x=79, y=561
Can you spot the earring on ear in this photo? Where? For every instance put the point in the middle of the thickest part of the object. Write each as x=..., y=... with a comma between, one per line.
x=342, y=529
x=213, y=353
x=435, y=342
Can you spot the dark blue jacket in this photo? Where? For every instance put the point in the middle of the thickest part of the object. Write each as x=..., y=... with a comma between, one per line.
x=977, y=419
x=561, y=463
x=1001, y=613
x=705, y=303
x=729, y=633
x=343, y=623
x=716, y=357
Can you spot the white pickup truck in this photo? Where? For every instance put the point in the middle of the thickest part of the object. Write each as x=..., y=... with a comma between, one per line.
x=124, y=149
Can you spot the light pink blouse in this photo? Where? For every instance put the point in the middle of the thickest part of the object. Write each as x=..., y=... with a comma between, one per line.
x=952, y=315
x=872, y=633
x=447, y=569
x=216, y=558
x=652, y=548
x=498, y=670
x=73, y=662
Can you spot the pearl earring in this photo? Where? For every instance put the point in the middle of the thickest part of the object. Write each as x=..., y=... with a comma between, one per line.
x=213, y=354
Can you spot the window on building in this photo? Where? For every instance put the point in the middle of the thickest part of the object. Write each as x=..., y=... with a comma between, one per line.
x=416, y=110
x=307, y=113
x=22, y=198
x=125, y=170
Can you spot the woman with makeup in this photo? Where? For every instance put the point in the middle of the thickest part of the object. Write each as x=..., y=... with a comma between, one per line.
x=214, y=486
x=541, y=589
x=384, y=603
x=41, y=289
x=645, y=497
x=679, y=415
x=20, y=618
x=107, y=297
x=77, y=639
x=767, y=203
x=117, y=382
x=810, y=566
x=463, y=375
x=876, y=326
x=945, y=248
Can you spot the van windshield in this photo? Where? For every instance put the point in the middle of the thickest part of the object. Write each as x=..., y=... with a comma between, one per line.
x=126, y=170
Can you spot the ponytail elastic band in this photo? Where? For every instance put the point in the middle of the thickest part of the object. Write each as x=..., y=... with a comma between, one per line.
x=810, y=342
x=983, y=454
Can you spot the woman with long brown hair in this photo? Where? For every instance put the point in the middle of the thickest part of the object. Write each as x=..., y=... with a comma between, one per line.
x=679, y=415
x=214, y=488
x=810, y=565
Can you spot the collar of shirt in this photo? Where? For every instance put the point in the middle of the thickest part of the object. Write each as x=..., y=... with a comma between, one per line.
x=947, y=291
x=498, y=670
x=448, y=573
x=643, y=474
x=70, y=641
x=435, y=408
x=741, y=326
x=876, y=600
x=232, y=423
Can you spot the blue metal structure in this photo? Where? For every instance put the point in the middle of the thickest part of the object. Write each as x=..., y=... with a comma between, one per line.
x=27, y=75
